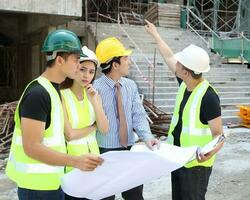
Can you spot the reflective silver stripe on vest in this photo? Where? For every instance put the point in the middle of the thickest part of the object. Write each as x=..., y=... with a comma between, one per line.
x=92, y=117
x=86, y=140
x=174, y=120
x=191, y=130
x=196, y=131
x=73, y=109
x=35, y=168
x=49, y=142
x=58, y=137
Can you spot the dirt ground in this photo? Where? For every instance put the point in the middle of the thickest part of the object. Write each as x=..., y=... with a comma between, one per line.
x=230, y=178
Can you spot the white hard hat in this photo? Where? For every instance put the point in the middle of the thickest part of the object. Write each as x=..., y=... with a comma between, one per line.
x=90, y=56
x=194, y=58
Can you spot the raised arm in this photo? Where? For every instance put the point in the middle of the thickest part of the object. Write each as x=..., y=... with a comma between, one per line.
x=165, y=50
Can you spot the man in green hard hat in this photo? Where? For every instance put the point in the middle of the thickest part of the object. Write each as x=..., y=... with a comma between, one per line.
x=38, y=154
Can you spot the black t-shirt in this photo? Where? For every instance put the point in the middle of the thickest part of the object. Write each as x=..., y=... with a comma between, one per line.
x=210, y=109
x=36, y=103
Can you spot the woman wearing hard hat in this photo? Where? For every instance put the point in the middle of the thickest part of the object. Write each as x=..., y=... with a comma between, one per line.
x=196, y=119
x=83, y=111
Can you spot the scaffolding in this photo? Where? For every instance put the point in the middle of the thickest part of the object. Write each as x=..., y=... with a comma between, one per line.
x=113, y=8
x=224, y=25
x=225, y=17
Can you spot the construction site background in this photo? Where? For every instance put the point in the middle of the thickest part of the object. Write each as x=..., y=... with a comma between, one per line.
x=222, y=26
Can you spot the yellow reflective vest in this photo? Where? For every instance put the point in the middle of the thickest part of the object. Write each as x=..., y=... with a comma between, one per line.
x=30, y=173
x=80, y=114
x=193, y=132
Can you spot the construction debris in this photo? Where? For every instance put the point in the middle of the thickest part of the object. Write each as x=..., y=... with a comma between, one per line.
x=159, y=123
x=164, y=15
x=160, y=120
x=231, y=125
x=7, y=111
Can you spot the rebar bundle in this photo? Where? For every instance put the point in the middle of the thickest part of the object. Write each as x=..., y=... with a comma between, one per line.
x=159, y=120
x=7, y=111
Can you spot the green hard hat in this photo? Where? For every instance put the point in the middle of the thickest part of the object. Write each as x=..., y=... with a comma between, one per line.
x=62, y=40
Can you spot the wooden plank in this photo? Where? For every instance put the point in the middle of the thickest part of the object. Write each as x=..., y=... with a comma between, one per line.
x=167, y=15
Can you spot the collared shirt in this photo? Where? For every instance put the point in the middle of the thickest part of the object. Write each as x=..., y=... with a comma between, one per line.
x=133, y=108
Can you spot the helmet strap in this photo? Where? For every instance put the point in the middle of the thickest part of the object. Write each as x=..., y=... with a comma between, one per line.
x=108, y=66
x=54, y=54
x=197, y=73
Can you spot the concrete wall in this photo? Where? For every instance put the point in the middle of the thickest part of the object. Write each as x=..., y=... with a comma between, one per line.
x=26, y=23
x=37, y=21
x=54, y=7
x=91, y=40
x=9, y=25
x=27, y=33
x=78, y=27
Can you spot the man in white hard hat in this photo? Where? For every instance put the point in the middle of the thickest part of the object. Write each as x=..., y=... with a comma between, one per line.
x=196, y=119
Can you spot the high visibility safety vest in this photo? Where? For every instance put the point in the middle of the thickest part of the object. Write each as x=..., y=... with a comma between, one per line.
x=81, y=114
x=30, y=173
x=193, y=132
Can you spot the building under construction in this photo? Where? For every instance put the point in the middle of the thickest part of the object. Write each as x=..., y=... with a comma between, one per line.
x=224, y=25
x=131, y=11
x=220, y=15
x=24, y=25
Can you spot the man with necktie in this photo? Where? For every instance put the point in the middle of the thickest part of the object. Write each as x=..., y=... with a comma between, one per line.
x=122, y=105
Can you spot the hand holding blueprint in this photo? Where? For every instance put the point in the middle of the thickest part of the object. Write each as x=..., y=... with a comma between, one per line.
x=123, y=170
x=211, y=145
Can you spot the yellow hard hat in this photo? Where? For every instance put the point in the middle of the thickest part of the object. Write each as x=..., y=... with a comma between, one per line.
x=109, y=48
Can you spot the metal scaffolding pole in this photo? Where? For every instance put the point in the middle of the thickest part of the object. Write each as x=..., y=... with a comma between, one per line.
x=220, y=15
